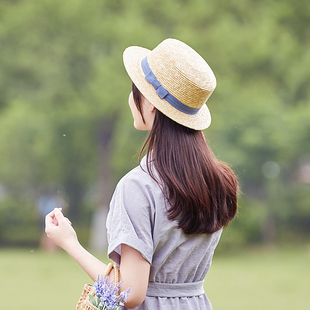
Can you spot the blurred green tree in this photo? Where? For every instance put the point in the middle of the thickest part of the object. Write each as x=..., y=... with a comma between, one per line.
x=64, y=122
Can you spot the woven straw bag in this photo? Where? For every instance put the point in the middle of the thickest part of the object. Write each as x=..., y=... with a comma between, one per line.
x=84, y=302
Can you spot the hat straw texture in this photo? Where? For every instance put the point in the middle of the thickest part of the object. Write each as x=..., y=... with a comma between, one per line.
x=182, y=72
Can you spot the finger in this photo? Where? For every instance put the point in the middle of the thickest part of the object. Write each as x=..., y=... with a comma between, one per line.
x=68, y=220
x=52, y=219
x=51, y=214
x=58, y=214
x=55, y=221
x=49, y=218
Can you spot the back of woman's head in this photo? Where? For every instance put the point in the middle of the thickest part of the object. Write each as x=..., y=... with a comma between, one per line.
x=201, y=191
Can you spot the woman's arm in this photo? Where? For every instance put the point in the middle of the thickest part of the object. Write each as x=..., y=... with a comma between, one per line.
x=134, y=272
x=134, y=269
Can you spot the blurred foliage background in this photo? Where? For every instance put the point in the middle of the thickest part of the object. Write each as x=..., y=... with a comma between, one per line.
x=66, y=129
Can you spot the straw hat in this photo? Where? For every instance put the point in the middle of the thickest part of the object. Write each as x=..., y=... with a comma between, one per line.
x=175, y=79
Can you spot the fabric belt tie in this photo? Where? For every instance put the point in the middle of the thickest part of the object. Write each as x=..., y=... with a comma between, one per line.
x=156, y=289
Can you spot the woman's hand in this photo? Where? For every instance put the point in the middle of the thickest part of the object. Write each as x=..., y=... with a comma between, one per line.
x=58, y=228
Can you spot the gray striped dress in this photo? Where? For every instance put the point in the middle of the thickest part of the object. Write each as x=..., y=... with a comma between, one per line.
x=179, y=262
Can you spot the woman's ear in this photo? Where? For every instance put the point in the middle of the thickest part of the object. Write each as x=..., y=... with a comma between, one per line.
x=151, y=108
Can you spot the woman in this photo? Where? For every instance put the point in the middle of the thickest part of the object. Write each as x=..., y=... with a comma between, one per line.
x=166, y=215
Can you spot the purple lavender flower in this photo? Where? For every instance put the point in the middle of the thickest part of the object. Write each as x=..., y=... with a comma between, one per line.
x=107, y=294
x=122, y=298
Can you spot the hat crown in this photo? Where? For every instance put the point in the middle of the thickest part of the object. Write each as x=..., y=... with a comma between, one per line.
x=183, y=72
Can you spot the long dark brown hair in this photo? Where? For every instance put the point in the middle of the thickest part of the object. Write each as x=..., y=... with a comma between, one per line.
x=201, y=190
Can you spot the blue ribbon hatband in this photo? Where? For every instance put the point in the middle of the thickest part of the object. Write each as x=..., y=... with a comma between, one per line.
x=164, y=93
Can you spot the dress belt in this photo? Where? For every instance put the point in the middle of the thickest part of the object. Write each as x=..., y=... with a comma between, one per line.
x=157, y=289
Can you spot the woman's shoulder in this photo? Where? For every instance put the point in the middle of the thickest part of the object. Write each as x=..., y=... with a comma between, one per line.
x=137, y=188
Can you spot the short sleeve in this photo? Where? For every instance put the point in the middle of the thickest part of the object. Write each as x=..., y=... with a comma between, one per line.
x=130, y=216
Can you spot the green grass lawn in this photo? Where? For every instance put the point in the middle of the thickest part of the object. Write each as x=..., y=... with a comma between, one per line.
x=253, y=279
x=268, y=279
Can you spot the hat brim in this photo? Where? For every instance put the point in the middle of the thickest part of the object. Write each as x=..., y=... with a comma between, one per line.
x=132, y=58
